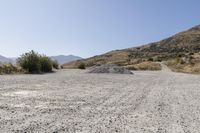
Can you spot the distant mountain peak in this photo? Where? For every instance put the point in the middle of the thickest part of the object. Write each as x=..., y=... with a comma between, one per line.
x=6, y=60
x=65, y=58
x=60, y=58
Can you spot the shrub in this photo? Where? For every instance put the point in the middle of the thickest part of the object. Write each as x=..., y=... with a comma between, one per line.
x=81, y=66
x=159, y=60
x=191, y=53
x=55, y=64
x=33, y=62
x=1, y=69
x=150, y=59
x=9, y=69
x=180, y=55
x=30, y=62
x=46, y=64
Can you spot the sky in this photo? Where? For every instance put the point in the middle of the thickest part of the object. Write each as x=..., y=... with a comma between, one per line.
x=90, y=27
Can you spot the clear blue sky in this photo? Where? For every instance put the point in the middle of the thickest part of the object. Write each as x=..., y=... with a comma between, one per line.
x=89, y=27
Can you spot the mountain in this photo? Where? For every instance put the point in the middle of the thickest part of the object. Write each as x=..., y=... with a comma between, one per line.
x=181, y=44
x=60, y=58
x=6, y=60
x=65, y=59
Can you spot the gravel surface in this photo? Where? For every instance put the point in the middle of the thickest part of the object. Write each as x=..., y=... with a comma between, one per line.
x=76, y=101
x=109, y=68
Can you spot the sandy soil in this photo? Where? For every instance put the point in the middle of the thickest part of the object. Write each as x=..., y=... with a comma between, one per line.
x=75, y=101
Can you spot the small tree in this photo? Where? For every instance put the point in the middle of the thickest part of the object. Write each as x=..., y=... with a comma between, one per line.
x=33, y=62
x=30, y=62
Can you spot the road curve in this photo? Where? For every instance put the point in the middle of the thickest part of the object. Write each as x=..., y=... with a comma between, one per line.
x=74, y=101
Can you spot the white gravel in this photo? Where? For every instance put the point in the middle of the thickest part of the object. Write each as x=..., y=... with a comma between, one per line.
x=75, y=101
x=109, y=68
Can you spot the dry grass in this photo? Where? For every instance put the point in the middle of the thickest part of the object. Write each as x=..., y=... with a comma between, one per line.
x=147, y=65
x=186, y=64
x=73, y=65
x=193, y=69
x=10, y=69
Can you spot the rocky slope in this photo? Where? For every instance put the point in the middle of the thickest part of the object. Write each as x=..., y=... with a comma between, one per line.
x=179, y=45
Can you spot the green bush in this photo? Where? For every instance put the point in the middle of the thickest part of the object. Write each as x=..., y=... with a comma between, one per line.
x=46, y=64
x=33, y=62
x=81, y=66
x=55, y=64
x=30, y=62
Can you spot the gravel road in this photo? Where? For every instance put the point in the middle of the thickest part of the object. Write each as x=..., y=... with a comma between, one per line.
x=76, y=101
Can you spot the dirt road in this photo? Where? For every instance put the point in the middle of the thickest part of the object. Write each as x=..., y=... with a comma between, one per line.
x=74, y=101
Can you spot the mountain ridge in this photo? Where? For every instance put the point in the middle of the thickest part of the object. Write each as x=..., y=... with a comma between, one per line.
x=65, y=58
x=4, y=59
x=60, y=58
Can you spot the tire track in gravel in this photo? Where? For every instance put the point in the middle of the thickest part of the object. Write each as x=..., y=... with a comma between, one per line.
x=73, y=101
x=118, y=104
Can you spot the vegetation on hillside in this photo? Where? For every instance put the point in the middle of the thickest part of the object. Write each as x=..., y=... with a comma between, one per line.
x=189, y=63
x=147, y=65
x=168, y=50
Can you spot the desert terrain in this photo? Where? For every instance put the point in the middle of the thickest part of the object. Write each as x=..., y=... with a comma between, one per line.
x=78, y=102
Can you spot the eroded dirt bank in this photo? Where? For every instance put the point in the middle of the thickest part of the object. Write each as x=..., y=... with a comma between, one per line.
x=75, y=101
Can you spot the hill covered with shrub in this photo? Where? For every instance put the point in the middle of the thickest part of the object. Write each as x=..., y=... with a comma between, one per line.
x=182, y=46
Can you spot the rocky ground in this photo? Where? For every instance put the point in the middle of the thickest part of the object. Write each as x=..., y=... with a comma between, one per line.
x=76, y=101
x=109, y=68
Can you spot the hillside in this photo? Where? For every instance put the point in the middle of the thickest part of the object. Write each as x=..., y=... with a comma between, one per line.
x=181, y=46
